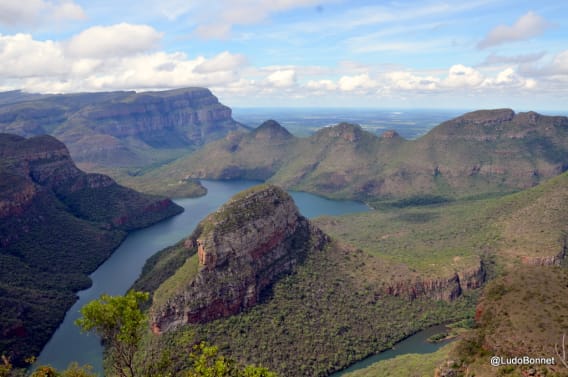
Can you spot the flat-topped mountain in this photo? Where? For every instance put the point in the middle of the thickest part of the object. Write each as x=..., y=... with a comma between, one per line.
x=480, y=152
x=241, y=250
x=121, y=128
x=57, y=224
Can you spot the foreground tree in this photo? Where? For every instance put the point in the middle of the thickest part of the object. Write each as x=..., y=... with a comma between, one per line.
x=208, y=363
x=120, y=323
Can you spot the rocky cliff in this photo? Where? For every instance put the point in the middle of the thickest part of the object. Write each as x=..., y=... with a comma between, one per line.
x=57, y=224
x=122, y=128
x=242, y=249
x=446, y=289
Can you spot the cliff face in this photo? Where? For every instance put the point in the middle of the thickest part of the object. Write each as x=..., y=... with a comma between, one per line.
x=194, y=115
x=122, y=128
x=243, y=248
x=43, y=164
x=446, y=289
x=57, y=224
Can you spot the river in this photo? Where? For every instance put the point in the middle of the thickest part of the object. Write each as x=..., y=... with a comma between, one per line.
x=416, y=343
x=119, y=272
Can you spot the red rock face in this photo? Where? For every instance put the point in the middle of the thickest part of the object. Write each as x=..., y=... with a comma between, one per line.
x=249, y=244
x=446, y=289
x=550, y=260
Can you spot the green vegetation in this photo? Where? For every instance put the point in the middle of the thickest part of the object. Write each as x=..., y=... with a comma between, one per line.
x=460, y=158
x=41, y=270
x=406, y=365
x=520, y=313
x=74, y=370
x=119, y=322
x=320, y=319
x=57, y=225
x=429, y=241
x=323, y=317
x=162, y=266
x=149, y=181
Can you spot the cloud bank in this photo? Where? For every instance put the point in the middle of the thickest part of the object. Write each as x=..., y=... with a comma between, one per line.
x=528, y=26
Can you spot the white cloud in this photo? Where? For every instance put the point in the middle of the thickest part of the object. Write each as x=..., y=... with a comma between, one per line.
x=410, y=81
x=360, y=82
x=321, y=85
x=560, y=63
x=228, y=13
x=48, y=66
x=282, y=79
x=461, y=76
x=22, y=56
x=528, y=26
x=30, y=12
x=111, y=41
x=516, y=59
x=225, y=61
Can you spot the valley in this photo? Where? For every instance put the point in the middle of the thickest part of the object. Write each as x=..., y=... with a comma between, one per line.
x=441, y=228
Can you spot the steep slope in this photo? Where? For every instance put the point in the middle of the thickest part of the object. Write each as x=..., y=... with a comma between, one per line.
x=123, y=128
x=57, y=224
x=478, y=153
x=242, y=249
x=251, y=155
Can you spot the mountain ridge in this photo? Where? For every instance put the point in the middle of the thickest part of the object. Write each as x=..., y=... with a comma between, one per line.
x=481, y=152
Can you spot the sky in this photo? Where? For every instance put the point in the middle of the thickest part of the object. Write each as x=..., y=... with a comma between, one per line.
x=295, y=53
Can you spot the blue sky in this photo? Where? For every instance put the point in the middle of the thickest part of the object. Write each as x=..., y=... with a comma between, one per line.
x=383, y=54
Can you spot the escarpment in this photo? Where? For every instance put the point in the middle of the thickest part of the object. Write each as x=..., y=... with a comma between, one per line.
x=57, y=224
x=447, y=289
x=122, y=128
x=242, y=249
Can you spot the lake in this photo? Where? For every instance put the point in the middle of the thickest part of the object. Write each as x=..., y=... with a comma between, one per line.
x=119, y=272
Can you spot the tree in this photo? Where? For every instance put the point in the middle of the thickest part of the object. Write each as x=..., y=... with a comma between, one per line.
x=208, y=363
x=120, y=323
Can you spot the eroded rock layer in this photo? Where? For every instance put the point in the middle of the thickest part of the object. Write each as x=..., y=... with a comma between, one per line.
x=242, y=248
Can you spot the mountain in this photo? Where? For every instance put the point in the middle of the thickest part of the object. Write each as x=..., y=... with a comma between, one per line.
x=120, y=128
x=57, y=225
x=242, y=249
x=481, y=152
x=270, y=288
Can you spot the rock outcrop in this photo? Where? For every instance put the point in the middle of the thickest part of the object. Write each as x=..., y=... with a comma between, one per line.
x=242, y=248
x=446, y=289
x=549, y=260
x=43, y=164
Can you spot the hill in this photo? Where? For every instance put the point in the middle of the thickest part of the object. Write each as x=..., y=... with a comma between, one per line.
x=522, y=240
x=483, y=152
x=57, y=224
x=270, y=288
